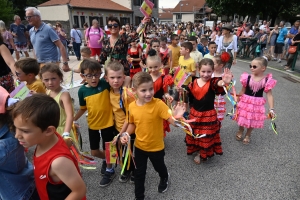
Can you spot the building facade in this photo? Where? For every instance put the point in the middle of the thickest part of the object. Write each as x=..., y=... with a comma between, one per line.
x=135, y=5
x=79, y=12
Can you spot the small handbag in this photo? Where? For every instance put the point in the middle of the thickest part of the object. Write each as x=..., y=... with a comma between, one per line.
x=292, y=49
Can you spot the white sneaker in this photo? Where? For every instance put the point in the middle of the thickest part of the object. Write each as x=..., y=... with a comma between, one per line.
x=279, y=61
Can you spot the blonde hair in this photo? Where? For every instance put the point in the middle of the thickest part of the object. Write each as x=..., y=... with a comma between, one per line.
x=114, y=66
x=2, y=26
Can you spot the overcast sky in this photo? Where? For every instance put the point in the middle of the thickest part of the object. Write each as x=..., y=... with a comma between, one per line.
x=168, y=3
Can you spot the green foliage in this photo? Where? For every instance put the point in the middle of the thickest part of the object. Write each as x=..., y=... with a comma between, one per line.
x=20, y=5
x=7, y=11
x=282, y=8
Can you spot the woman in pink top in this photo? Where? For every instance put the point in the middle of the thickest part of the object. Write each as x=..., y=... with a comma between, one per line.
x=94, y=37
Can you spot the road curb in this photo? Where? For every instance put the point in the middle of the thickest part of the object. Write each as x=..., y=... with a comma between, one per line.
x=278, y=70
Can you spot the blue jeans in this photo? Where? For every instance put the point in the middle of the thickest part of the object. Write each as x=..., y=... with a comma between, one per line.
x=76, y=47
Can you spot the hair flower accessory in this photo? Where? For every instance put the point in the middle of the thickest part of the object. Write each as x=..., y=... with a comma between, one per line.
x=225, y=57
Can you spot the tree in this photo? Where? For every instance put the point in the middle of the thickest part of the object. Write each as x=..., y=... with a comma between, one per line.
x=20, y=5
x=7, y=11
x=271, y=8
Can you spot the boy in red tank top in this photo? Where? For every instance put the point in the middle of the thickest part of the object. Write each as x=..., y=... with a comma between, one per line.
x=56, y=171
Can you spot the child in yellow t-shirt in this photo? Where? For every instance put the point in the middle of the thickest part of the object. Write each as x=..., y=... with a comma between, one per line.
x=146, y=116
x=187, y=64
x=175, y=49
x=26, y=70
x=120, y=100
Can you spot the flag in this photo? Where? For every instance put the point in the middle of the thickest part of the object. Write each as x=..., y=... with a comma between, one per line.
x=146, y=8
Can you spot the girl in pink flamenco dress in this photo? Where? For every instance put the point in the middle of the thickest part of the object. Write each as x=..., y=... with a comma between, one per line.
x=250, y=108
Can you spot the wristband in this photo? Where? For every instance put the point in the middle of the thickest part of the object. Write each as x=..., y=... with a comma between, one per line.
x=125, y=133
x=66, y=134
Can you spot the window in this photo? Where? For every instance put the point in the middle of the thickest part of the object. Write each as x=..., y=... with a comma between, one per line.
x=82, y=20
x=124, y=20
x=137, y=2
x=76, y=21
x=178, y=16
x=138, y=20
x=155, y=3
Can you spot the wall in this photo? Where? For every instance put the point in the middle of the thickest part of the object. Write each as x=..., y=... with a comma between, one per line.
x=187, y=17
x=174, y=18
x=89, y=13
x=125, y=3
x=59, y=13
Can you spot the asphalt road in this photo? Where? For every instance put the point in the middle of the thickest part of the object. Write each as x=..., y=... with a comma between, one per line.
x=268, y=168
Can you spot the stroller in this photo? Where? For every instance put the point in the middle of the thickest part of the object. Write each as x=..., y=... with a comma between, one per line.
x=70, y=48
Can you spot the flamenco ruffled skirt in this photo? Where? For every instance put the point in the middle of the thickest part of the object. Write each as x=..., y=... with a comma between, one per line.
x=251, y=111
x=220, y=104
x=205, y=123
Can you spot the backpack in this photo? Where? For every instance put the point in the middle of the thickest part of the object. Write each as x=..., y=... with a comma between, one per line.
x=90, y=30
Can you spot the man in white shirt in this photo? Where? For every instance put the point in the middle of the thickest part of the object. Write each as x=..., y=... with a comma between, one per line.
x=247, y=33
x=263, y=26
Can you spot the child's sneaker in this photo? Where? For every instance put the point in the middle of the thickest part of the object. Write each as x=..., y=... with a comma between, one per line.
x=103, y=168
x=125, y=177
x=163, y=184
x=107, y=178
x=279, y=61
x=132, y=179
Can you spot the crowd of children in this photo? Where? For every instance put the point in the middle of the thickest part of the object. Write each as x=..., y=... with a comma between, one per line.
x=116, y=116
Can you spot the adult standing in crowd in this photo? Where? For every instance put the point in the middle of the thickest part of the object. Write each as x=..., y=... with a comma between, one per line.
x=20, y=34
x=272, y=40
x=280, y=41
x=127, y=28
x=85, y=28
x=188, y=30
x=116, y=46
x=7, y=37
x=294, y=42
x=63, y=38
x=228, y=43
x=76, y=37
x=44, y=40
x=7, y=68
x=94, y=37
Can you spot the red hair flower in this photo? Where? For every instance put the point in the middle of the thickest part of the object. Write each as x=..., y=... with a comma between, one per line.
x=225, y=57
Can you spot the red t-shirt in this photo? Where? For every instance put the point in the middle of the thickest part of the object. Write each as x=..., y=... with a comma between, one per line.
x=46, y=188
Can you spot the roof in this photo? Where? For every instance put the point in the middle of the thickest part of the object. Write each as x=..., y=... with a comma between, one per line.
x=94, y=4
x=188, y=6
x=165, y=15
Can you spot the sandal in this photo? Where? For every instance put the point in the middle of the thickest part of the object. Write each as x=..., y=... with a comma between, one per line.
x=239, y=135
x=246, y=140
x=197, y=159
x=286, y=67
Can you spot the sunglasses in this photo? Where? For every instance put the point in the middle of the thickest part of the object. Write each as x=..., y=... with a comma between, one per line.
x=112, y=25
x=253, y=66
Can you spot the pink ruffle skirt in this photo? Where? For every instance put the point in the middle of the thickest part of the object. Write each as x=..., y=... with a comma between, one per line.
x=251, y=111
